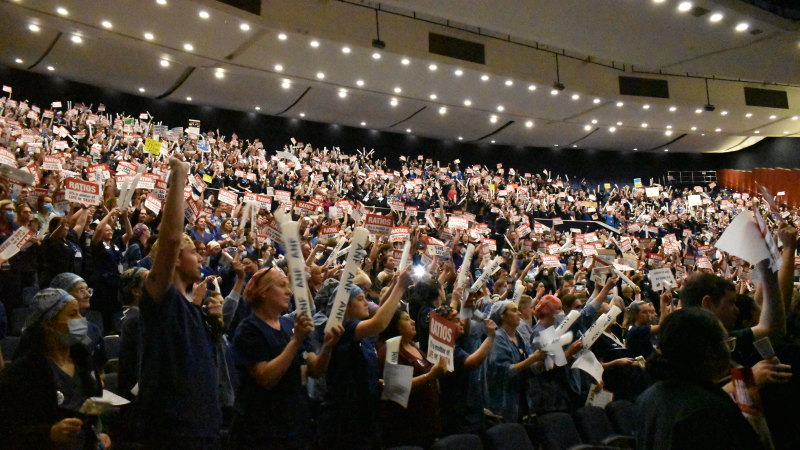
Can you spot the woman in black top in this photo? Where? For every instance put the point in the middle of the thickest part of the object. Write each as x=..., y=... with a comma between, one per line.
x=42, y=392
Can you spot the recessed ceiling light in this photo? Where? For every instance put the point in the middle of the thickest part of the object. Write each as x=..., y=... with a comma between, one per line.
x=554, y=91
x=432, y=67
x=376, y=56
x=574, y=145
x=408, y=130
x=785, y=132
x=698, y=111
x=658, y=1
x=405, y=61
x=493, y=119
x=459, y=72
x=645, y=106
x=484, y=77
x=644, y=124
x=433, y=97
x=302, y=114
x=587, y=127
x=188, y=99
x=500, y=108
x=460, y=138
x=669, y=127
x=794, y=117
x=320, y=75
x=467, y=102
x=555, y=145
x=724, y=113
x=258, y=108
x=666, y=149
x=757, y=132
x=529, y=123
x=749, y=115
x=668, y=133
x=493, y=141
x=742, y=26
x=716, y=17
x=76, y=39
x=106, y=24
x=314, y=44
x=188, y=47
x=620, y=104
x=286, y=84
x=278, y=68
x=594, y=121
x=397, y=89
x=149, y=36
x=18, y=60
x=612, y=129
x=596, y=101
x=33, y=27
x=244, y=26
x=363, y=124
x=51, y=68
x=219, y=74
x=673, y=108
x=636, y=149
x=684, y=6
x=694, y=128
x=531, y=87
x=509, y=83
x=282, y=36
x=62, y=11
x=204, y=14
x=773, y=117
x=141, y=89
x=345, y=50
x=342, y=93
x=161, y=2
x=359, y=83
x=718, y=130
x=619, y=124
x=393, y=102
x=576, y=96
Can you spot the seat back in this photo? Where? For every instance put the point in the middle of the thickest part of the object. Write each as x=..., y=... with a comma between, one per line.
x=111, y=342
x=508, y=436
x=96, y=318
x=593, y=425
x=8, y=345
x=622, y=415
x=16, y=320
x=458, y=442
x=556, y=431
x=111, y=382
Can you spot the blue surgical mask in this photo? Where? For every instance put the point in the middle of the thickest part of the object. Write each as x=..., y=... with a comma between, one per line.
x=78, y=332
x=48, y=207
x=9, y=216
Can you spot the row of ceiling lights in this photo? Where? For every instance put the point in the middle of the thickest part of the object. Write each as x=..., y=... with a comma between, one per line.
x=715, y=17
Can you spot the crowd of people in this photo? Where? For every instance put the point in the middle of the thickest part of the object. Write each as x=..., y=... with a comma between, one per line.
x=480, y=296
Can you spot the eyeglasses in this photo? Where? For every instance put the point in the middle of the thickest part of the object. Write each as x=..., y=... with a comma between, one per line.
x=730, y=344
x=88, y=291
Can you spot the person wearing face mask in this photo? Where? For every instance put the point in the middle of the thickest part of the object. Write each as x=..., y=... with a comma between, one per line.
x=685, y=409
x=45, y=212
x=80, y=291
x=42, y=391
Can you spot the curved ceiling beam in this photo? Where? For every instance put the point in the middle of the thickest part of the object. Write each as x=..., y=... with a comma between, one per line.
x=181, y=79
x=295, y=102
x=406, y=119
x=502, y=127
x=47, y=51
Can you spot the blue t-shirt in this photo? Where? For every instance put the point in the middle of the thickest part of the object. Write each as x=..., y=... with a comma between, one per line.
x=281, y=413
x=178, y=384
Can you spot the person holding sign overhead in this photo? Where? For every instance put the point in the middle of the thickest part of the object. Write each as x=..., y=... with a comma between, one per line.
x=272, y=408
x=351, y=402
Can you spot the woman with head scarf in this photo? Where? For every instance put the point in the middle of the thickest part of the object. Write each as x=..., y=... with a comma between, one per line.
x=137, y=247
x=80, y=291
x=52, y=375
x=509, y=364
x=272, y=409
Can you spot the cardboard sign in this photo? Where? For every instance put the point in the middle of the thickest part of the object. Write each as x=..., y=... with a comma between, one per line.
x=550, y=261
x=662, y=279
x=379, y=225
x=152, y=203
x=398, y=205
x=328, y=233
x=15, y=242
x=283, y=197
x=457, y=223
x=651, y=191
x=523, y=230
x=305, y=208
x=435, y=247
x=51, y=162
x=399, y=234
x=227, y=197
x=84, y=192
x=7, y=157
x=490, y=244
x=152, y=146
x=442, y=340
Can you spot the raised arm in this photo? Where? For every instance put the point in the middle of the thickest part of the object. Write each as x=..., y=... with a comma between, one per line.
x=80, y=222
x=105, y=221
x=788, y=236
x=383, y=316
x=772, y=322
x=170, y=234
x=475, y=360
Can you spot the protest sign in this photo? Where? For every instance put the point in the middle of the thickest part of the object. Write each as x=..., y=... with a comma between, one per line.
x=81, y=191
x=442, y=340
x=15, y=242
x=379, y=225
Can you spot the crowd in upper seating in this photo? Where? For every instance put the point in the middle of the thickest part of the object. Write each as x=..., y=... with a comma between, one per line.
x=239, y=296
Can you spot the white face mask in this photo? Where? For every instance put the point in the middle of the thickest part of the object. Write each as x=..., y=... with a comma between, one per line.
x=78, y=332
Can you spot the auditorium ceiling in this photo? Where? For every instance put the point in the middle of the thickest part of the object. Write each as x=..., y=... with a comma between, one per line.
x=468, y=70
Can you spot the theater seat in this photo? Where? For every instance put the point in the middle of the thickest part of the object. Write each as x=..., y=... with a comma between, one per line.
x=622, y=415
x=8, y=346
x=111, y=383
x=508, y=436
x=556, y=431
x=595, y=429
x=111, y=343
x=458, y=442
x=16, y=320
